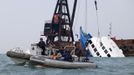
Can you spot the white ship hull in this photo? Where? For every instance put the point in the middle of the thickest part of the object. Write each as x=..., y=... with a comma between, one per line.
x=103, y=47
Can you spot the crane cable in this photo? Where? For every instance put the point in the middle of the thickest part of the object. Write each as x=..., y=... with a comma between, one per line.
x=76, y=19
x=97, y=17
x=86, y=16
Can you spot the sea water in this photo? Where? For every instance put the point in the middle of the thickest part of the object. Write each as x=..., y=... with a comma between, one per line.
x=106, y=66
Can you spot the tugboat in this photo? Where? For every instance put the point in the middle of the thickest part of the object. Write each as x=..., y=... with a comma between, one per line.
x=59, y=35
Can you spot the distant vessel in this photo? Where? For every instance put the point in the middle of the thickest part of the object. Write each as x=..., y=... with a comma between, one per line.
x=127, y=45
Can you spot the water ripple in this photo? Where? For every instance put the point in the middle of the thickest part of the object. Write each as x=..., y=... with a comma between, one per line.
x=106, y=66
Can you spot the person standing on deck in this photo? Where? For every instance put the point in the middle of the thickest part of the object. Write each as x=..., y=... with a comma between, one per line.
x=56, y=24
x=42, y=45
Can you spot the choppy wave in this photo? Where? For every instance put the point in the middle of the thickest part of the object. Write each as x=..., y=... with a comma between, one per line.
x=106, y=66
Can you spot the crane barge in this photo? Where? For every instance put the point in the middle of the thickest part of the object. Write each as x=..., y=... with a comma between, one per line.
x=59, y=34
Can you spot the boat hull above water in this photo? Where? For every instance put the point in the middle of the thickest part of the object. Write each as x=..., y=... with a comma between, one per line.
x=18, y=58
x=19, y=61
x=22, y=58
x=61, y=64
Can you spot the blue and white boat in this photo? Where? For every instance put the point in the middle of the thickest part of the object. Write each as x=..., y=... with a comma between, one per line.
x=100, y=46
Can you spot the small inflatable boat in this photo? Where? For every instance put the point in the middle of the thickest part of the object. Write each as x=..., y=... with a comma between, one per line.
x=35, y=58
x=60, y=63
x=18, y=57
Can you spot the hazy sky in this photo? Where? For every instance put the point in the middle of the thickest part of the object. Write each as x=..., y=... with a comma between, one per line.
x=22, y=21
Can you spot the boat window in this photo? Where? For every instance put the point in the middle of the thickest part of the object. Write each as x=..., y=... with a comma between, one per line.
x=86, y=43
x=124, y=47
x=133, y=41
x=103, y=47
x=98, y=53
x=101, y=44
x=32, y=48
x=90, y=41
x=131, y=47
x=121, y=47
x=108, y=55
x=95, y=49
x=110, y=49
x=92, y=45
x=106, y=51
